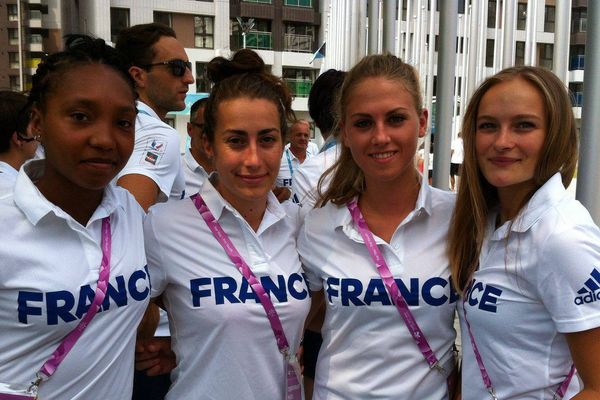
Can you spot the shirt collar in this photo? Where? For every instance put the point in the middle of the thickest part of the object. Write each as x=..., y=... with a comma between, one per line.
x=35, y=206
x=343, y=219
x=146, y=109
x=7, y=169
x=217, y=204
x=193, y=164
x=546, y=197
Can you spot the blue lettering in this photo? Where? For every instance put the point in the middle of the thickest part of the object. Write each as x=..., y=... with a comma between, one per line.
x=299, y=295
x=196, y=292
x=55, y=310
x=473, y=300
x=489, y=298
x=247, y=293
x=23, y=309
x=287, y=182
x=118, y=295
x=376, y=292
x=148, y=274
x=225, y=288
x=86, y=297
x=426, y=291
x=272, y=289
x=331, y=291
x=412, y=296
x=351, y=289
x=132, y=284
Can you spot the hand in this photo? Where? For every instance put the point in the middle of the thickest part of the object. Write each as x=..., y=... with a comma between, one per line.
x=282, y=193
x=154, y=356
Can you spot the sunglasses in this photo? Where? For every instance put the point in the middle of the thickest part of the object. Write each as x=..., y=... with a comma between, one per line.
x=177, y=67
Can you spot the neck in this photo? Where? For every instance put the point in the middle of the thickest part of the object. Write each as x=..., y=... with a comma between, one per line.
x=386, y=204
x=202, y=160
x=298, y=152
x=159, y=111
x=251, y=210
x=11, y=159
x=78, y=203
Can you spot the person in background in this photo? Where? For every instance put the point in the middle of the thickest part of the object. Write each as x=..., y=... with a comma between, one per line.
x=197, y=164
x=16, y=145
x=524, y=254
x=456, y=159
x=219, y=258
x=294, y=155
x=374, y=249
x=73, y=277
x=320, y=106
x=161, y=71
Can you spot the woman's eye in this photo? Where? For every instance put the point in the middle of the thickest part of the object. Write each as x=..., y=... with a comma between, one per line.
x=79, y=116
x=397, y=119
x=525, y=125
x=235, y=141
x=125, y=123
x=485, y=126
x=268, y=139
x=362, y=123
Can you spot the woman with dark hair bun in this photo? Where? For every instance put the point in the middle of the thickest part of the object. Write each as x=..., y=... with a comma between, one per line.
x=224, y=261
x=73, y=282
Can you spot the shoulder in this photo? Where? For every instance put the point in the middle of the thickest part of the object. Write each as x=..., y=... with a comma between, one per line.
x=566, y=224
x=442, y=201
x=323, y=221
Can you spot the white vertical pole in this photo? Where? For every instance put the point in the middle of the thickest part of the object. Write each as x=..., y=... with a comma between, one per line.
x=407, y=54
x=508, y=43
x=562, y=35
x=530, y=33
x=398, y=47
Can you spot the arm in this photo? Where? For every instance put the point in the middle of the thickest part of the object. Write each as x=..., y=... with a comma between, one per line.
x=144, y=189
x=316, y=315
x=585, y=350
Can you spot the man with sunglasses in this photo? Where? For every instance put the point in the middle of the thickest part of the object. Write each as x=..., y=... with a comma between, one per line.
x=162, y=73
x=16, y=146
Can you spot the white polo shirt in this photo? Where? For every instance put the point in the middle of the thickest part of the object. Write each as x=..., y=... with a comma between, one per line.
x=367, y=350
x=195, y=175
x=8, y=177
x=50, y=266
x=545, y=281
x=306, y=178
x=221, y=336
x=156, y=154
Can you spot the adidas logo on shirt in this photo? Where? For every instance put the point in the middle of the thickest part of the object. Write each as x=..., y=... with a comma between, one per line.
x=590, y=292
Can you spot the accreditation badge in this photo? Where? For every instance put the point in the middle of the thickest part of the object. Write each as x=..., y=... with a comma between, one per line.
x=9, y=391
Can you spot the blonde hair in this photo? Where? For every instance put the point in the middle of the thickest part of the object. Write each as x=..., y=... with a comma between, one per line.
x=476, y=197
x=347, y=179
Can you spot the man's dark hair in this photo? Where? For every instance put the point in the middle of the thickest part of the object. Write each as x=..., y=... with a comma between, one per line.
x=136, y=44
x=14, y=116
x=322, y=97
x=196, y=106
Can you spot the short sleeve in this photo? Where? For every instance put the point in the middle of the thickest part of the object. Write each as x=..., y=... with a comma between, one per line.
x=308, y=258
x=155, y=155
x=569, y=278
x=156, y=265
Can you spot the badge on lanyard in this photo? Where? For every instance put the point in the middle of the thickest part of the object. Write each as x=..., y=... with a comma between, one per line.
x=10, y=391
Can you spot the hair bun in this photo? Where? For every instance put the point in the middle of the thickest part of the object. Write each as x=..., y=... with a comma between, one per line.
x=243, y=61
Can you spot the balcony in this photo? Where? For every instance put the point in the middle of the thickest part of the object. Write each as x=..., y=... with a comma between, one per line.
x=577, y=99
x=298, y=3
x=35, y=19
x=577, y=62
x=579, y=25
x=298, y=43
x=299, y=87
x=257, y=40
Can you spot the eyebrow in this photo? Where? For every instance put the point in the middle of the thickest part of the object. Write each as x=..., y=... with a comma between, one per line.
x=395, y=110
x=518, y=116
x=243, y=132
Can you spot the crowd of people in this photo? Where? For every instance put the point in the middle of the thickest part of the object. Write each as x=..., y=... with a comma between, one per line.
x=256, y=266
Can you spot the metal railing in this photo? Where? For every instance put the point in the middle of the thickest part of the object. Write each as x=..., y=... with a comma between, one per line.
x=257, y=40
x=298, y=43
x=299, y=87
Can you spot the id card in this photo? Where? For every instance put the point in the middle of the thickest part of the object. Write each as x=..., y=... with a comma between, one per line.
x=293, y=379
x=10, y=391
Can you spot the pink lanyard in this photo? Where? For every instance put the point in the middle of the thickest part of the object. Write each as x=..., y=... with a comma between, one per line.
x=69, y=341
x=392, y=288
x=293, y=387
x=560, y=391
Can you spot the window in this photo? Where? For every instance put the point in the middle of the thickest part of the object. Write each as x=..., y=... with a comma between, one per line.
x=257, y=1
x=546, y=52
x=14, y=83
x=299, y=37
x=577, y=60
x=549, y=18
x=13, y=12
x=164, y=18
x=13, y=36
x=119, y=20
x=520, y=53
x=203, y=85
x=259, y=37
x=35, y=38
x=298, y=3
x=489, y=53
x=13, y=60
x=491, y=22
x=576, y=89
x=299, y=80
x=203, y=32
x=521, y=16
x=579, y=20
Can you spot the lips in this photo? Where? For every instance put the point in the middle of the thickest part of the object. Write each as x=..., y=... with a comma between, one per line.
x=253, y=179
x=382, y=156
x=503, y=161
x=99, y=163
